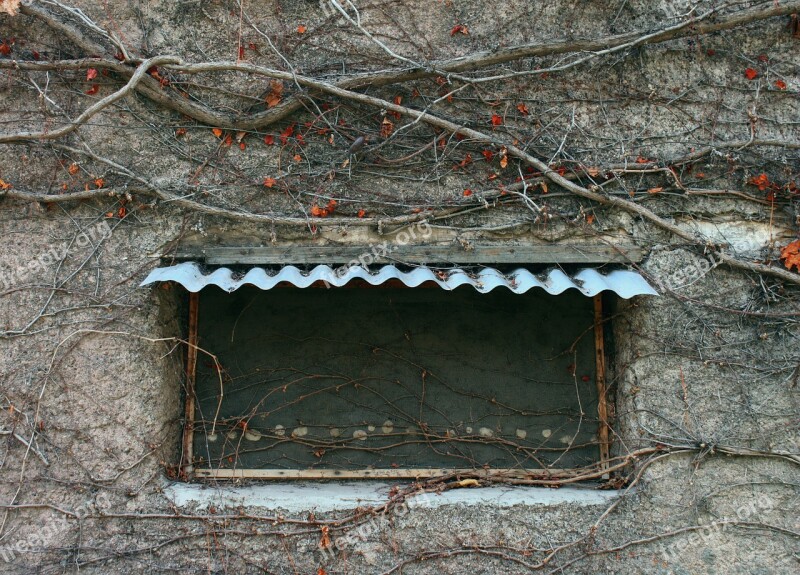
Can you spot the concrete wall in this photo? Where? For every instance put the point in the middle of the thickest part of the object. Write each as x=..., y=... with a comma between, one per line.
x=705, y=376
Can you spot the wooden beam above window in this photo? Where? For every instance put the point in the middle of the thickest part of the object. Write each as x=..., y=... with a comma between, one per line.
x=414, y=254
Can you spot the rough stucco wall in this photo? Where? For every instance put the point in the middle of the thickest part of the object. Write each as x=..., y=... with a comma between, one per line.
x=86, y=358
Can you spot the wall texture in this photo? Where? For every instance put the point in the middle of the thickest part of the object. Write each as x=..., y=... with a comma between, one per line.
x=132, y=130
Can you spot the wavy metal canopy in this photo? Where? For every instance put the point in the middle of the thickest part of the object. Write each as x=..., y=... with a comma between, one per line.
x=588, y=281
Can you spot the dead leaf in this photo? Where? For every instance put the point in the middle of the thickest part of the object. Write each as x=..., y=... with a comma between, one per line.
x=459, y=29
x=779, y=84
x=93, y=90
x=467, y=192
x=99, y=182
x=750, y=74
x=275, y=93
x=269, y=139
x=503, y=157
x=523, y=109
x=361, y=213
x=10, y=7
x=73, y=169
x=91, y=74
x=270, y=182
x=216, y=131
x=655, y=190
x=790, y=255
x=386, y=128
x=4, y=185
x=497, y=120
x=301, y=29
x=469, y=483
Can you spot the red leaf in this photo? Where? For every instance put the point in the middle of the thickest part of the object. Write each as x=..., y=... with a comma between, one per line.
x=361, y=213
x=497, y=120
x=269, y=139
x=241, y=52
x=459, y=28
x=93, y=90
x=91, y=74
x=216, y=131
x=269, y=182
x=5, y=49
x=791, y=255
x=301, y=29
x=750, y=74
x=467, y=192
x=523, y=109
x=780, y=84
x=488, y=154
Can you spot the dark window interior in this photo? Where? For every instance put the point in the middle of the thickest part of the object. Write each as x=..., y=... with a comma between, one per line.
x=395, y=378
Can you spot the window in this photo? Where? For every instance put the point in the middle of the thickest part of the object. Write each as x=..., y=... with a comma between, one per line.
x=395, y=381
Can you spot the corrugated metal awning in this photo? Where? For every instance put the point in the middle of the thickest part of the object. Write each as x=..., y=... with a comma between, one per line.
x=588, y=281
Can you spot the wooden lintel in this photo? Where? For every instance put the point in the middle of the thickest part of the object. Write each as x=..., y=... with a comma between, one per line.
x=413, y=254
x=381, y=473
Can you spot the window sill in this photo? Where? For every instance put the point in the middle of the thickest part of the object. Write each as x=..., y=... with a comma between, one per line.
x=301, y=497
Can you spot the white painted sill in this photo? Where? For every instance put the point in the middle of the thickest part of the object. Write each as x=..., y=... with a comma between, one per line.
x=302, y=497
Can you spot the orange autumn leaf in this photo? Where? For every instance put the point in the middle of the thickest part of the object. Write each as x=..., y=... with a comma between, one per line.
x=761, y=181
x=93, y=90
x=297, y=158
x=180, y=132
x=386, y=128
x=503, y=157
x=321, y=571
x=523, y=109
x=286, y=134
x=655, y=190
x=4, y=185
x=73, y=169
x=590, y=219
x=361, y=213
x=497, y=120
x=642, y=160
x=216, y=131
x=318, y=212
x=780, y=84
x=467, y=193
x=790, y=255
x=122, y=212
x=459, y=29
x=301, y=29
x=269, y=182
x=750, y=74
x=466, y=161
x=544, y=187
x=275, y=93
x=228, y=140
x=99, y=182
x=91, y=74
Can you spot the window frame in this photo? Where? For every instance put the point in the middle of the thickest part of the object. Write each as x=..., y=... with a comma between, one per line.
x=598, y=470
